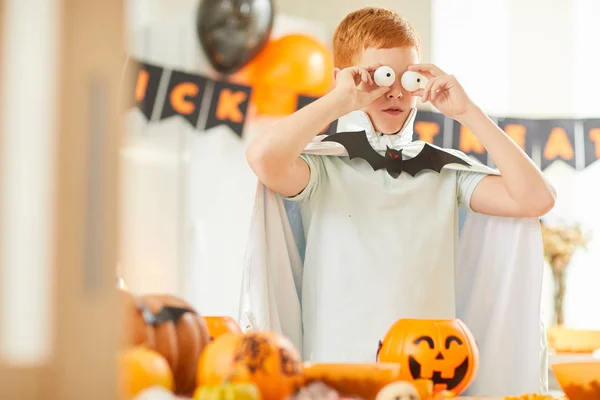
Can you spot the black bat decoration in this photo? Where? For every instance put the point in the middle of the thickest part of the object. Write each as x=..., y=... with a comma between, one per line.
x=357, y=145
x=166, y=314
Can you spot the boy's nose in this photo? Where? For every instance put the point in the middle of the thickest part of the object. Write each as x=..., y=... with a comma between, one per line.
x=395, y=90
x=395, y=93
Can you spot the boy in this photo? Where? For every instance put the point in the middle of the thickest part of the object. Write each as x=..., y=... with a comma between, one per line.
x=374, y=248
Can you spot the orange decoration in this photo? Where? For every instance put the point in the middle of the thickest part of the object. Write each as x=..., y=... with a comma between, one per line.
x=424, y=387
x=354, y=380
x=468, y=142
x=441, y=350
x=517, y=133
x=216, y=363
x=268, y=360
x=287, y=67
x=179, y=335
x=218, y=326
x=558, y=145
x=141, y=368
x=427, y=130
x=595, y=137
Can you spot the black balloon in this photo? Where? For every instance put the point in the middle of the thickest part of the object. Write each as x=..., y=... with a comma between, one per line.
x=233, y=32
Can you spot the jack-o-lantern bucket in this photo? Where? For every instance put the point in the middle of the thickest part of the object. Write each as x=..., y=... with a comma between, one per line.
x=443, y=351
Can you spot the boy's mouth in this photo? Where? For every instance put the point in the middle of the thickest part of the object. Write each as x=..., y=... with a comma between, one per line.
x=393, y=110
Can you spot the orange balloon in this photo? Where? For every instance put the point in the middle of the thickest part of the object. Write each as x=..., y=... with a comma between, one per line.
x=289, y=66
x=218, y=326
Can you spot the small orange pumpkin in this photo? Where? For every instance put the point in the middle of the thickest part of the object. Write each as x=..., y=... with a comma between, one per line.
x=267, y=359
x=172, y=327
x=443, y=351
x=217, y=326
x=140, y=368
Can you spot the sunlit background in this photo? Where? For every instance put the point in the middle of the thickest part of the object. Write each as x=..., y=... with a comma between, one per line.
x=185, y=195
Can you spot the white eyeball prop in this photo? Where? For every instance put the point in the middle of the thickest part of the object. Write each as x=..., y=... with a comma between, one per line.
x=411, y=80
x=384, y=76
x=400, y=390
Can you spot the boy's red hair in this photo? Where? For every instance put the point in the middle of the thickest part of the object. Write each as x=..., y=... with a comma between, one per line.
x=371, y=27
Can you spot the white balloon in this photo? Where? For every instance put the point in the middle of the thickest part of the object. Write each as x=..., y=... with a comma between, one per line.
x=155, y=393
x=384, y=76
x=412, y=80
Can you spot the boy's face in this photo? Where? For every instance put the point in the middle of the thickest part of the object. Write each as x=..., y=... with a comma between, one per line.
x=389, y=112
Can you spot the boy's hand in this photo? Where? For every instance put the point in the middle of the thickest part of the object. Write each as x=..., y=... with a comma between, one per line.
x=442, y=90
x=356, y=88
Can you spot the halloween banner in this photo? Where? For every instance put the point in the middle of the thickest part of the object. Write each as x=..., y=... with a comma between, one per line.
x=429, y=127
x=304, y=101
x=591, y=140
x=520, y=130
x=466, y=141
x=147, y=78
x=556, y=139
x=162, y=93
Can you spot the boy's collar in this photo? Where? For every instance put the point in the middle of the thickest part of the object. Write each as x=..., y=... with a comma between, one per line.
x=359, y=120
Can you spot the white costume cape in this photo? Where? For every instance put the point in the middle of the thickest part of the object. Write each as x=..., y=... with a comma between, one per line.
x=498, y=278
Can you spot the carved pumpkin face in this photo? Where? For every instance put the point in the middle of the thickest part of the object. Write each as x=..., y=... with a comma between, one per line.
x=443, y=351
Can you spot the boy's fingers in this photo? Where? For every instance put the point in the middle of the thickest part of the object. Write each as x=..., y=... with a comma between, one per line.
x=439, y=85
x=428, y=69
x=427, y=89
x=380, y=91
x=418, y=92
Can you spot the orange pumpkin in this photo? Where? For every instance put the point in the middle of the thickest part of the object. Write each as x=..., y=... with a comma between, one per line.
x=217, y=326
x=443, y=351
x=172, y=327
x=141, y=368
x=269, y=360
x=354, y=380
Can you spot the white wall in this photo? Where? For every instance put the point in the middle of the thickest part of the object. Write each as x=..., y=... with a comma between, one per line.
x=174, y=237
x=329, y=13
x=536, y=58
x=186, y=195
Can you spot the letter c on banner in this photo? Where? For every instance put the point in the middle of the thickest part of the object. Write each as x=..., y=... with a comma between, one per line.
x=178, y=97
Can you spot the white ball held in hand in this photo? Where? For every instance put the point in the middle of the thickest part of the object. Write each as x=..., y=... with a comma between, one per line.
x=411, y=80
x=384, y=76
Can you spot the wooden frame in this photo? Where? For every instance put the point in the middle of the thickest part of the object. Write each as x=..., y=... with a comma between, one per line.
x=87, y=317
x=86, y=322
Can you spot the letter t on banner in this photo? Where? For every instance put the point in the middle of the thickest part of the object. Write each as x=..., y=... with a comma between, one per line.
x=429, y=127
x=591, y=133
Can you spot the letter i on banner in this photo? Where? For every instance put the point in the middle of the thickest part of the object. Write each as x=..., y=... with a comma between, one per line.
x=466, y=141
x=184, y=97
x=429, y=127
x=557, y=140
x=591, y=129
x=146, y=78
x=229, y=106
x=306, y=100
